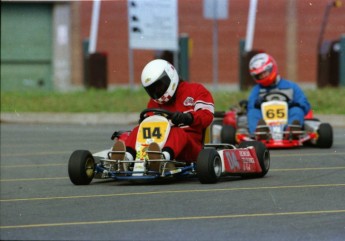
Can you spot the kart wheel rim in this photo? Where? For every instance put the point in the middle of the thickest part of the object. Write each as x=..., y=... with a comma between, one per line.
x=89, y=167
x=217, y=166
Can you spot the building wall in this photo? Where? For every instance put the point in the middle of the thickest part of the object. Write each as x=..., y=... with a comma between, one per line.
x=62, y=46
x=77, y=71
x=26, y=46
x=40, y=46
x=287, y=29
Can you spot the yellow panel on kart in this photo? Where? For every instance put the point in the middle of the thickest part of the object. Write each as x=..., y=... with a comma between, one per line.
x=153, y=129
x=275, y=111
x=207, y=135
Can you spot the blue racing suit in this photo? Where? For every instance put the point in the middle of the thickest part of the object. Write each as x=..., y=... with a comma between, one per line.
x=299, y=106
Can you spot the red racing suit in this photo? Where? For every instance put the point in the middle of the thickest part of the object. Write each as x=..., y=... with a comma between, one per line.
x=187, y=141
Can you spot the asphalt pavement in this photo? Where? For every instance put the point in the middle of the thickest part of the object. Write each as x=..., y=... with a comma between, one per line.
x=110, y=118
x=300, y=198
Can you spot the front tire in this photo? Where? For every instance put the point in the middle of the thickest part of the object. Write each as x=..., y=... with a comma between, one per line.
x=209, y=166
x=81, y=167
x=325, y=139
x=262, y=154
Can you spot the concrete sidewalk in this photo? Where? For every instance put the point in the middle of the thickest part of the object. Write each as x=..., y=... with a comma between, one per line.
x=71, y=118
x=110, y=118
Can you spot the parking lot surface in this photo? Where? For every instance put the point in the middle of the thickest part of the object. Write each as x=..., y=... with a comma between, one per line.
x=301, y=197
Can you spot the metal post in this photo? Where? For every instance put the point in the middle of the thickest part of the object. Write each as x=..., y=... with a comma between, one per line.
x=291, y=40
x=332, y=3
x=94, y=26
x=215, y=46
x=215, y=53
x=251, y=25
x=342, y=61
x=184, y=56
x=176, y=61
x=131, y=68
x=240, y=57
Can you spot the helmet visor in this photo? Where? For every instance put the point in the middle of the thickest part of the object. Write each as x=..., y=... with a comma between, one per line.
x=159, y=87
x=263, y=74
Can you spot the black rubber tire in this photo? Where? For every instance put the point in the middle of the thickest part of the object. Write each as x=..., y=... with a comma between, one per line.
x=263, y=155
x=81, y=167
x=228, y=135
x=325, y=139
x=209, y=166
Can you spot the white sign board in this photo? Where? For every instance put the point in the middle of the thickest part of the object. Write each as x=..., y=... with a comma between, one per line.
x=153, y=24
x=216, y=9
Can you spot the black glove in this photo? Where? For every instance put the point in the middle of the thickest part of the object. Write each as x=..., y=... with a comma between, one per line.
x=243, y=104
x=258, y=102
x=179, y=118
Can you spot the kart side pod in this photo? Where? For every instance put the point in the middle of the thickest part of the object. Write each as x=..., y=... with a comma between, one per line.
x=240, y=161
x=252, y=158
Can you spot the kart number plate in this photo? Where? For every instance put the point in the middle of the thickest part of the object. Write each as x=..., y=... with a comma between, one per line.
x=152, y=131
x=275, y=113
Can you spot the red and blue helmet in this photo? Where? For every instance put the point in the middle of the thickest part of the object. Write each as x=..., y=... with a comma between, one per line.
x=263, y=68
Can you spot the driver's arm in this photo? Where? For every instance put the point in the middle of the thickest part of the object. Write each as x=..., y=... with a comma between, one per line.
x=203, y=109
x=202, y=118
x=253, y=96
x=300, y=98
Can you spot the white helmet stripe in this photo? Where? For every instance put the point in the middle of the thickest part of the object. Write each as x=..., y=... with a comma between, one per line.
x=204, y=106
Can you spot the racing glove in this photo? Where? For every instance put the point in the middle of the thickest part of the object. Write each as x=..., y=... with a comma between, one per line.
x=179, y=118
x=258, y=102
x=243, y=104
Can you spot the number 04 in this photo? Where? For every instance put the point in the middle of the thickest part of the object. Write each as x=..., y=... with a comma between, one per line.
x=148, y=133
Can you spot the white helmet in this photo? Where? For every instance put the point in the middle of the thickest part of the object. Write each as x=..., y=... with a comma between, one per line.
x=160, y=80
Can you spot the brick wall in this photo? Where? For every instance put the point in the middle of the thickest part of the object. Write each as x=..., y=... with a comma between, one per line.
x=298, y=44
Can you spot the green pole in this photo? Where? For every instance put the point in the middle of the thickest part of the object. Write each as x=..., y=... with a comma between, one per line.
x=86, y=57
x=342, y=61
x=183, y=57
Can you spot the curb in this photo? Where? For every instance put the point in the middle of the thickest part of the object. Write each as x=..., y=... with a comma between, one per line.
x=71, y=118
x=110, y=118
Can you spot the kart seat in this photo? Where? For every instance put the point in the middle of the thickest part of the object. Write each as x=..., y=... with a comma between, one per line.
x=206, y=137
x=309, y=115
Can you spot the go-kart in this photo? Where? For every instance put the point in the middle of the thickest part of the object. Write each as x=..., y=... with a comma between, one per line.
x=275, y=133
x=250, y=159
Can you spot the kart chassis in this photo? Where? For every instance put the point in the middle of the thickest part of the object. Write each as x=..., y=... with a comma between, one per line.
x=215, y=160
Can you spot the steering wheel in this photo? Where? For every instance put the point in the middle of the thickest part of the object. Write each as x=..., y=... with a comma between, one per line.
x=275, y=95
x=155, y=111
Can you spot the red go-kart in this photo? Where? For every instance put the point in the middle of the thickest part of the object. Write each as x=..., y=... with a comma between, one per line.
x=274, y=132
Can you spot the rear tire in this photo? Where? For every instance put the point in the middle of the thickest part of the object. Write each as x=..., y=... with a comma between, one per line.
x=228, y=135
x=81, y=167
x=209, y=166
x=325, y=139
x=262, y=154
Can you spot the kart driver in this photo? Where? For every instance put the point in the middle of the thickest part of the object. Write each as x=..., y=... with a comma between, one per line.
x=192, y=106
x=264, y=70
